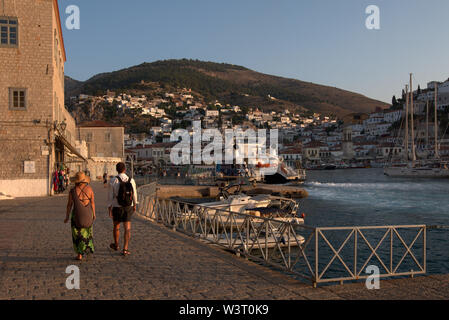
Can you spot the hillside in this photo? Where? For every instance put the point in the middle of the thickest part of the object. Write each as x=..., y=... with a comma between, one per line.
x=229, y=84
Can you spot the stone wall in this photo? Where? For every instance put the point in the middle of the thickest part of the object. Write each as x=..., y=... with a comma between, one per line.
x=37, y=65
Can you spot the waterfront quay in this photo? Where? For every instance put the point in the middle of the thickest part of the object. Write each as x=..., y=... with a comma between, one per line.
x=36, y=248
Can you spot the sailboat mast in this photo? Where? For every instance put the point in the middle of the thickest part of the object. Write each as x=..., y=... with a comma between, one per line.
x=427, y=124
x=406, y=122
x=413, y=121
x=436, y=121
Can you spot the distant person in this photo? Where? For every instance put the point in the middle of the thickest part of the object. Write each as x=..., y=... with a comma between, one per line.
x=61, y=175
x=81, y=199
x=122, y=201
x=55, y=181
x=105, y=180
x=67, y=179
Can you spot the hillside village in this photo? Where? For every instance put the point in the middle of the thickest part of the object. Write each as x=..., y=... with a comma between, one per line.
x=310, y=139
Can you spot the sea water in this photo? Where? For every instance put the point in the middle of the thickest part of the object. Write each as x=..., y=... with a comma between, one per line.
x=366, y=197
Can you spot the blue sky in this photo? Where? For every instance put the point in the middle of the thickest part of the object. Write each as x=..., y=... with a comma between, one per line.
x=321, y=41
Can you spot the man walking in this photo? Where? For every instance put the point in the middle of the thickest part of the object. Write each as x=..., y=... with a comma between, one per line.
x=122, y=201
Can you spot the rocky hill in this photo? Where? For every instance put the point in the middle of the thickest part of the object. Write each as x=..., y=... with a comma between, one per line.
x=227, y=83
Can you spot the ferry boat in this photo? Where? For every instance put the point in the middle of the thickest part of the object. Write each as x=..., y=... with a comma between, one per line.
x=281, y=175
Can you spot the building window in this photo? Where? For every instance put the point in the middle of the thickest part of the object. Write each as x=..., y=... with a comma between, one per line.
x=89, y=137
x=9, y=32
x=107, y=137
x=17, y=99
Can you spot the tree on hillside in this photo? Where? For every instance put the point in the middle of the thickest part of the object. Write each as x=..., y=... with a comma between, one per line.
x=238, y=119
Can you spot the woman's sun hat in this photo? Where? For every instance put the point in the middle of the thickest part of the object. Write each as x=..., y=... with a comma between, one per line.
x=80, y=177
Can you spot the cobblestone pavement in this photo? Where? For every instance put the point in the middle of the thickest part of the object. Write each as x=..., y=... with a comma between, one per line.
x=36, y=248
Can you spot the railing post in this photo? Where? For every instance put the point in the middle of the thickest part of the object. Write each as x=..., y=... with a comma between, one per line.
x=356, y=231
x=174, y=210
x=391, y=250
x=289, y=247
x=230, y=218
x=216, y=223
x=316, y=257
x=425, y=248
x=247, y=236
x=266, y=240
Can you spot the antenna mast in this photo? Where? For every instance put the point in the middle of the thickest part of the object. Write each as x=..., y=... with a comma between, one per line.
x=406, y=122
x=436, y=121
x=413, y=121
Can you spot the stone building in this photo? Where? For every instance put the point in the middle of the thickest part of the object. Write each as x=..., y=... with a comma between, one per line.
x=105, y=147
x=37, y=133
x=316, y=152
x=157, y=154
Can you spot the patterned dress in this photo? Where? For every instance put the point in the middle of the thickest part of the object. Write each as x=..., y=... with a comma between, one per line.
x=82, y=238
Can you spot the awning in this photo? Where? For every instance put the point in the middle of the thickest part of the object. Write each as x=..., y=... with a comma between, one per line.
x=71, y=148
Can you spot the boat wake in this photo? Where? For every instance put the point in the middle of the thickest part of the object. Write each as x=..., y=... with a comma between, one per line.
x=387, y=195
x=368, y=186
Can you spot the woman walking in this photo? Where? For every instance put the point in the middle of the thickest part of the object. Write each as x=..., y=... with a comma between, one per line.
x=81, y=198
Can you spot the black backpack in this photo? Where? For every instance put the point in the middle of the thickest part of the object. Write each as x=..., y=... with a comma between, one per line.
x=125, y=193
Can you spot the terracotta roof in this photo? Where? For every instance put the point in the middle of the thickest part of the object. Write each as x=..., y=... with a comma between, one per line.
x=291, y=151
x=314, y=144
x=97, y=123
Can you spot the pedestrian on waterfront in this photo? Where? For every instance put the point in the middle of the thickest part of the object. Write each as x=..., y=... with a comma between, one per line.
x=66, y=179
x=105, y=180
x=122, y=202
x=81, y=199
x=55, y=181
x=61, y=180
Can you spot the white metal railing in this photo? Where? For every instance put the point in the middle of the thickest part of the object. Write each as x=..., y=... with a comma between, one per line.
x=313, y=253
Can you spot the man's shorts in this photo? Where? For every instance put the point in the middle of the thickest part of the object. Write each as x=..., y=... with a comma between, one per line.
x=122, y=214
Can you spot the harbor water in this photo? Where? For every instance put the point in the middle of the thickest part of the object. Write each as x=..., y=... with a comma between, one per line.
x=366, y=197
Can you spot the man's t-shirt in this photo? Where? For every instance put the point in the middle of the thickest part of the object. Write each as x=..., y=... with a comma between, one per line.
x=114, y=186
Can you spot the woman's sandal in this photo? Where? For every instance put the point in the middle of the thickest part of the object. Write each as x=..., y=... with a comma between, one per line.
x=113, y=246
x=126, y=252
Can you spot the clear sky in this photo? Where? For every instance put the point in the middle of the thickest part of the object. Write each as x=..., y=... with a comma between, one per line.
x=321, y=41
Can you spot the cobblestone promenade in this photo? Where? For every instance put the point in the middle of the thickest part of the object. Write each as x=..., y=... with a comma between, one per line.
x=36, y=248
